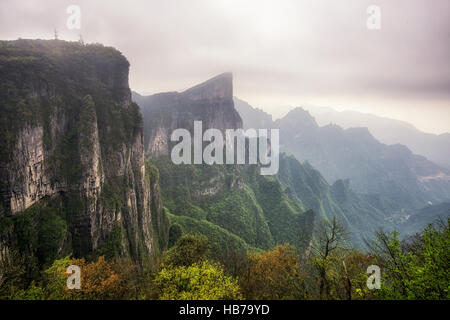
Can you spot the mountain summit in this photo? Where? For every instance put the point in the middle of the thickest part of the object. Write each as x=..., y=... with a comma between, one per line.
x=210, y=102
x=219, y=87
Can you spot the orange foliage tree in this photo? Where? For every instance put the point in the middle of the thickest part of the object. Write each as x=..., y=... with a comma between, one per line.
x=273, y=274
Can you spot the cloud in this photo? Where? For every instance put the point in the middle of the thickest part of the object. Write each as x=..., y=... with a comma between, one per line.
x=288, y=51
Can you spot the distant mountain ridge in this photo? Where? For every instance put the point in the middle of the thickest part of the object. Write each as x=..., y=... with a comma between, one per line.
x=368, y=185
x=372, y=167
x=252, y=117
x=232, y=202
x=389, y=131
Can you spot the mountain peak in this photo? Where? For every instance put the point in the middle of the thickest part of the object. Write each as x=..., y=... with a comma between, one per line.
x=219, y=87
x=301, y=117
x=210, y=102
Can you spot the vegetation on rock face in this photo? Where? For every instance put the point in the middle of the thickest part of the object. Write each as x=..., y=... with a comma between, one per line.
x=188, y=250
x=231, y=233
x=112, y=247
x=40, y=232
x=70, y=131
x=252, y=208
x=39, y=78
x=223, y=244
x=175, y=232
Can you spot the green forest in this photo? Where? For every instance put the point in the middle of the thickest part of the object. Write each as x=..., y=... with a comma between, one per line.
x=415, y=268
x=83, y=183
x=247, y=255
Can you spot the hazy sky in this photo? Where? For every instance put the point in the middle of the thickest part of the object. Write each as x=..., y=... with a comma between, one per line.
x=282, y=53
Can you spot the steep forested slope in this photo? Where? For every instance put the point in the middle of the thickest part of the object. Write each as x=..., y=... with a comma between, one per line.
x=224, y=202
x=368, y=185
x=233, y=201
x=72, y=171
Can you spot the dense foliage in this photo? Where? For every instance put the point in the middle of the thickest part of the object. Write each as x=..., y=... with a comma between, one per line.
x=234, y=234
x=199, y=281
x=234, y=206
x=416, y=268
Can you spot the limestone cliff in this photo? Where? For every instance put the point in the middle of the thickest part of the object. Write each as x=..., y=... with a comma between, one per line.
x=234, y=206
x=210, y=102
x=72, y=140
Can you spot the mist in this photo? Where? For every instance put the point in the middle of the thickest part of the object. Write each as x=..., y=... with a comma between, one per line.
x=283, y=54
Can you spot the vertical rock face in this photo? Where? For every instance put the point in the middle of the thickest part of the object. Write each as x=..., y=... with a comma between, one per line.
x=27, y=180
x=210, y=102
x=71, y=134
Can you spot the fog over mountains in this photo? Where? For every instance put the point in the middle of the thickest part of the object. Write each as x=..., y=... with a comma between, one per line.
x=330, y=170
x=81, y=162
x=86, y=171
x=404, y=181
x=128, y=170
x=389, y=131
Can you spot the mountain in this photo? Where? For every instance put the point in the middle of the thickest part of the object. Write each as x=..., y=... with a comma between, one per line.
x=361, y=214
x=233, y=205
x=210, y=102
x=392, y=171
x=369, y=185
x=421, y=218
x=345, y=173
x=73, y=176
x=252, y=117
x=389, y=131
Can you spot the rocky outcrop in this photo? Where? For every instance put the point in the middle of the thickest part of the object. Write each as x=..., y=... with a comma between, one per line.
x=210, y=102
x=71, y=132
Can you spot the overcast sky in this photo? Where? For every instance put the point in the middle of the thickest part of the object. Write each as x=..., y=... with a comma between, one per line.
x=282, y=53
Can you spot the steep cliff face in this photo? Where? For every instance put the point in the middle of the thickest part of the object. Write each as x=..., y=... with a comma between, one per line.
x=234, y=206
x=73, y=140
x=210, y=102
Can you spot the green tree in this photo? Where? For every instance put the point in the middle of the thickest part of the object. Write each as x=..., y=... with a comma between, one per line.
x=201, y=281
x=12, y=275
x=415, y=268
x=175, y=232
x=346, y=274
x=187, y=250
x=54, y=280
